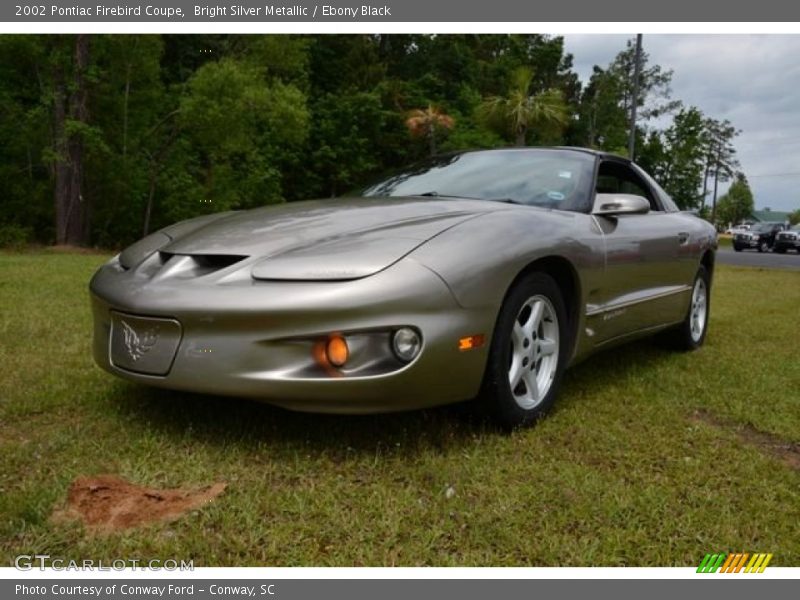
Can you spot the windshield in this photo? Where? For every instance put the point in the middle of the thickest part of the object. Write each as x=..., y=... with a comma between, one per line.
x=537, y=177
x=762, y=227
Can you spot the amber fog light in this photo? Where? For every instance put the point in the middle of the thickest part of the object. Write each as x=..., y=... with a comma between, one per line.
x=337, y=351
x=406, y=344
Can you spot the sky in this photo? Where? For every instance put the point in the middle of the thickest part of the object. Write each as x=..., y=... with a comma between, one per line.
x=752, y=80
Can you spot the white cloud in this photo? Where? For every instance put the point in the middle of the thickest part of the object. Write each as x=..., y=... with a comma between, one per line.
x=752, y=80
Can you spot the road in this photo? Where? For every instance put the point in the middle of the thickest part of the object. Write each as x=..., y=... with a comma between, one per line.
x=751, y=258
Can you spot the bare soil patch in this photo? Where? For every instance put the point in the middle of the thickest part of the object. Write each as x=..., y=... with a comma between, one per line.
x=787, y=452
x=108, y=503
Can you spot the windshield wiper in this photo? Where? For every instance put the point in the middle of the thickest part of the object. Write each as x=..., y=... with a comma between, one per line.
x=508, y=201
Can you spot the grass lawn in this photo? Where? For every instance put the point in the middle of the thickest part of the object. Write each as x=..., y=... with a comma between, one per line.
x=650, y=457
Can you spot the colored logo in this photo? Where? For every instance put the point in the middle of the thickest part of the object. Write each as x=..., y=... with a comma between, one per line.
x=734, y=563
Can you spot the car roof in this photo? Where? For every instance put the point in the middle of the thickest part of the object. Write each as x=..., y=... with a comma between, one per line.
x=598, y=153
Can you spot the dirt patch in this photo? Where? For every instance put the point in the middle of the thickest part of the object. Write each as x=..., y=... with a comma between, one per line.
x=787, y=452
x=108, y=503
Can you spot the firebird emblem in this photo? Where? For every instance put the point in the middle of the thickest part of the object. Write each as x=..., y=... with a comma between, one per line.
x=137, y=345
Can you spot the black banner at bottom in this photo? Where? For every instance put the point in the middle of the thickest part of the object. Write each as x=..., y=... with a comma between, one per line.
x=395, y=589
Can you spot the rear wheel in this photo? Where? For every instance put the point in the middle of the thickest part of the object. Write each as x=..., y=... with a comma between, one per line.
x=527, y=355
x=763, y=247
x=780, y=250
x=737, y=248
x=691, y=333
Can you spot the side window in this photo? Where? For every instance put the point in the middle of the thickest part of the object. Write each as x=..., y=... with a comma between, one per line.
x=618, y=178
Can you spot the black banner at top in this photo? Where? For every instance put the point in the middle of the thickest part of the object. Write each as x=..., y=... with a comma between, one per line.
x=400, y=11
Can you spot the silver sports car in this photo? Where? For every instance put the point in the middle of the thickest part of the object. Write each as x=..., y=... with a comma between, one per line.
x=479, y=275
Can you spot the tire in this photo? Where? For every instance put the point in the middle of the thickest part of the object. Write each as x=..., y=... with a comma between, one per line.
x=526, y=350
x=736, y=248
x=779, y=250
x=691, y=333
x=763, y=247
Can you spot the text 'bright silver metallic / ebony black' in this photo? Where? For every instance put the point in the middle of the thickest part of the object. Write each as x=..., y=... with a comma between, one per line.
x=474, y=275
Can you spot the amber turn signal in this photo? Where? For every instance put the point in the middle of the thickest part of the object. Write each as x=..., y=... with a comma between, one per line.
x=471, y=342
x=337, y=351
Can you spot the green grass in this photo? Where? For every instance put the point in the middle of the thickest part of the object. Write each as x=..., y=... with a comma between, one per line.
x=622, y=472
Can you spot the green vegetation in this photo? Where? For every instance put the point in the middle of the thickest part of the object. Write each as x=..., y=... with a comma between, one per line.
x=129, y=133
x=737, y=204
x=650, y=457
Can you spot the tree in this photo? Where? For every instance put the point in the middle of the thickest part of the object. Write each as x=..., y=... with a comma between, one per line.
x=794, y=217
x=676, y=157
x=70, y=117
x=606, y=102
x=345, y=141
x=523, y=110
x=737, y=204
x=427, y=124
x=720, y=156
x=243, y=128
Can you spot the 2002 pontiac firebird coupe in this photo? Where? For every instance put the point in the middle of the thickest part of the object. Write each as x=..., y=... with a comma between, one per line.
x=476, y=275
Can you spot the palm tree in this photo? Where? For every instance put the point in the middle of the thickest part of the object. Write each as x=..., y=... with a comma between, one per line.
x=521, y=110
x=424, y=123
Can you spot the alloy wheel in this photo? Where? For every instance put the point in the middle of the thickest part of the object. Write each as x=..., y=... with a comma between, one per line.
x=534, y=352
x=699, y=310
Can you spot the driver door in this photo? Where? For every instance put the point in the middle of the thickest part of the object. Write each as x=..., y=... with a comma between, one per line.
x=643, y=285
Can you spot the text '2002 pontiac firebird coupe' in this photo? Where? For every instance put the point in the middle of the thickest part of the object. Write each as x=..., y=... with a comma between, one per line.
x=477, y=275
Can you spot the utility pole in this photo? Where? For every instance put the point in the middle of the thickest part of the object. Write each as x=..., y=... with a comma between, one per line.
x=637, y=69
x=716, y=181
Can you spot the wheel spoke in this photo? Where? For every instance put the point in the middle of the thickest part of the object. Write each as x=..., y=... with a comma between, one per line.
x=535, y=318
x=532, y=384
x=517, y=337
x=515, y=372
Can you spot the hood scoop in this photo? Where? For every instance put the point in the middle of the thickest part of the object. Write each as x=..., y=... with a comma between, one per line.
x=166, y=265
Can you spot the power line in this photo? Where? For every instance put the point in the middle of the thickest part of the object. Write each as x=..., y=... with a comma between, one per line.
x=790, y=174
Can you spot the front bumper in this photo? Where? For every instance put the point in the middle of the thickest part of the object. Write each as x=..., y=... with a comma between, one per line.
x=255, y=339
x=782, y=244
x=747, y=243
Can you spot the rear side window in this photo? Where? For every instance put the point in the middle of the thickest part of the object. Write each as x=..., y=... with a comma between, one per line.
x=666, y=200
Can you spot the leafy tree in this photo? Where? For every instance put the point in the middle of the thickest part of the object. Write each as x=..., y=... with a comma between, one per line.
x=675, y=157
x=345, y=141
x=605, y=104
x=522, y=110
x=603, y=122
x=794, y=217
x=131, y=132
x=720, y=155
x=241, y=126
x=737, y=204
x=428, y=123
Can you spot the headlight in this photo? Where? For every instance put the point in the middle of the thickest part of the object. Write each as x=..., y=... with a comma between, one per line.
x=406, y=344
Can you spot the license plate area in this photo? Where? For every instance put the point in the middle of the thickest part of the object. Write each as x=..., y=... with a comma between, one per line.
x=143, y=344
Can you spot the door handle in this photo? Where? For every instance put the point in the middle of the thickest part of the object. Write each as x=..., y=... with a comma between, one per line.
x=683, y=238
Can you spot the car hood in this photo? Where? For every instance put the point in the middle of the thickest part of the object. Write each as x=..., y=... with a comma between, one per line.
x=328, y=239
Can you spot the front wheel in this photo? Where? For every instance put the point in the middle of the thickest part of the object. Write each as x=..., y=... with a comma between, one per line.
x=780, y=250
x=691, y=333
x=737, y=248
x=528, y=353
x=763, y=247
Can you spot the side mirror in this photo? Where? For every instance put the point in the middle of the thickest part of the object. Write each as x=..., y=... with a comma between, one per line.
x=610, y=205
